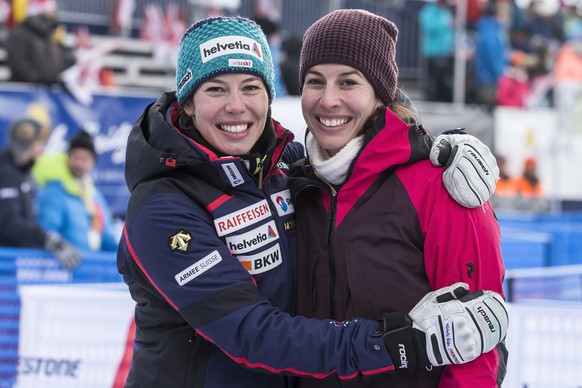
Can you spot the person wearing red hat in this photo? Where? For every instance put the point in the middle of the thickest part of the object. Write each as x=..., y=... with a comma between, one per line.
x=376, y=226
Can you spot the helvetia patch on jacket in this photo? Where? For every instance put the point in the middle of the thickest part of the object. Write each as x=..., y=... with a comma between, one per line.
x=283, y=203
x=242, y=218
x=253, y=239
x=263, y=261
x=180, y=241
x=198, y=268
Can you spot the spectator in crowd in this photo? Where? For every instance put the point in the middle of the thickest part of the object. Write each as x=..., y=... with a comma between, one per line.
x=573, y=23
x=505, y=196
x=208, y=248
x=537, y=23
x=69, y=202
x=35, y=49
x=271, y=30
x=437, y=49
x=504, y=186
x=473, y=13
x=513, y=88
x=372, y=218
x=492, y=50
x=26, y=142
x=290, y=51
x=528, y=185
x=558, y=20
x=568, y=65
x=517, y=35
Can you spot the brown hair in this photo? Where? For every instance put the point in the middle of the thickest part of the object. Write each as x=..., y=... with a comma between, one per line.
x=401, y=106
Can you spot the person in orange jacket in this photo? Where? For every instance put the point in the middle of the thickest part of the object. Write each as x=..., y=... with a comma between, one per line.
x=528, y=185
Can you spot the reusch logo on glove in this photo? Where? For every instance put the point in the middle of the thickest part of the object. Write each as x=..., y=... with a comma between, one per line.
x=479, y=161
x=486, y=318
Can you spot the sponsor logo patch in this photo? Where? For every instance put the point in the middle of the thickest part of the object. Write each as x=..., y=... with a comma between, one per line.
x=253, y=239
x=226, y=45
x=263, y=261
x=240, y=63
x=283, y=166
x=9, y=193
x=233, y=174
x=198, y=268
x=180, y=241
x=289, y=225
x=283, y=203
x=244, y=217
x=185, y=79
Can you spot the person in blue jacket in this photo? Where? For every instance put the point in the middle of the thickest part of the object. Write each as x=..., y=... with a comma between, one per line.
x=491, y=53
x=208, y=247
x=69, y=202
x=436, y=23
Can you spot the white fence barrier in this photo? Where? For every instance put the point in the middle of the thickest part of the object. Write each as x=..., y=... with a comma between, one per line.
x=545, y=345
x=72, y=335
x=76, y=335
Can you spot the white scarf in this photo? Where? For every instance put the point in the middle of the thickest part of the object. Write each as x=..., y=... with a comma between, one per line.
x=333, y=168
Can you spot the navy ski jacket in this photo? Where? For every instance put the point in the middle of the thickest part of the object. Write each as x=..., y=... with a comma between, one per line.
x=209, y=257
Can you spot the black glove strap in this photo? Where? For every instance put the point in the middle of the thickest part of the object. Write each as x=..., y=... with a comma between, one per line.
x=406, y=346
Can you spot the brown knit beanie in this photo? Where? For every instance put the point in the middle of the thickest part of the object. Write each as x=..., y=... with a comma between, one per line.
x=356, y=38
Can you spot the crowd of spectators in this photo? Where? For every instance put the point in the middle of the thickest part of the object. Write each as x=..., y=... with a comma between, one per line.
x=517, y=54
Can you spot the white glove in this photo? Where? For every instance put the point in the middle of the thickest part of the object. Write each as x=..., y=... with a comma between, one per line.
x=447, y=326
x=471, y=171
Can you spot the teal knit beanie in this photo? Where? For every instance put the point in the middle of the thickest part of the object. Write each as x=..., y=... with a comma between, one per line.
x=220, y=45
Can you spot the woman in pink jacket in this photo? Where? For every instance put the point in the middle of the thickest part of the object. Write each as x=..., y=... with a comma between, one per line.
x=376, y=227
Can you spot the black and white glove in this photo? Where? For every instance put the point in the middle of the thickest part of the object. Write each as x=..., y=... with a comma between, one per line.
x=67, y=254
x=471, y=171
x=447, y=326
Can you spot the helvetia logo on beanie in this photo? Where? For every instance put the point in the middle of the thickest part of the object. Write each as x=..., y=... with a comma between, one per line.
x=226, y=45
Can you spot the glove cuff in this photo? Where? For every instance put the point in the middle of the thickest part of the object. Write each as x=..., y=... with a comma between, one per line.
x=406, y=346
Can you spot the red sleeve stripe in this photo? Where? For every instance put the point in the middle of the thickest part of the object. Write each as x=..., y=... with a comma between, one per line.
x=248, y=364
x=140, y=265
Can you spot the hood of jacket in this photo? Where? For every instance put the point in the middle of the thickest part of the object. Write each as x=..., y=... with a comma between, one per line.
x=156, y=147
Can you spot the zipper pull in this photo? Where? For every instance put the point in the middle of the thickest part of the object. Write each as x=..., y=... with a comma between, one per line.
x=261, y=168
x=330, y=218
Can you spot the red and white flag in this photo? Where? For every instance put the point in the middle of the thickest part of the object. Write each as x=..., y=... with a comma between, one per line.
x=82, y=78
x=163, y=30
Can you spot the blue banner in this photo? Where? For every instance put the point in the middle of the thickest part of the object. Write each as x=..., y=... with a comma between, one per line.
x=109, y=118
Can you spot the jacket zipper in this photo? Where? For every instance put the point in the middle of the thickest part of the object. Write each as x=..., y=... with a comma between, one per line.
x=330, y=226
